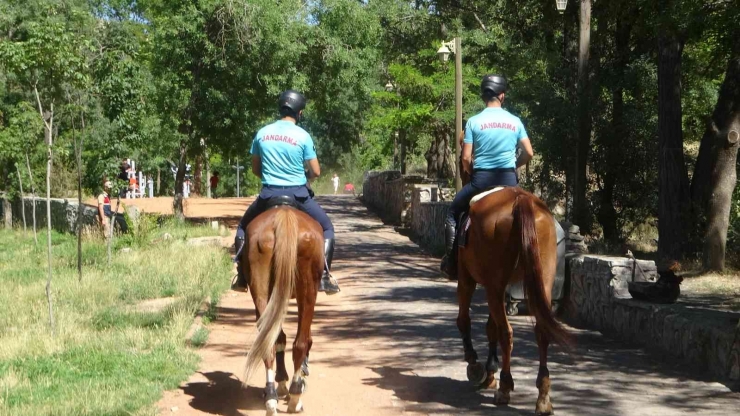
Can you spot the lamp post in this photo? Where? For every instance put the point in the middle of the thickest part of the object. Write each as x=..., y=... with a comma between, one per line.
x=238, y=172
x=389, y=86
x=444, y=53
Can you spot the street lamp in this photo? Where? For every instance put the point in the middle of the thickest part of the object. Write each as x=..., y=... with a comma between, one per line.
x=444, y=54
x=561, y=5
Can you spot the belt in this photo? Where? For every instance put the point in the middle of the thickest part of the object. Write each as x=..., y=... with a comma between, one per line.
x=283, y=187
x=498, y=170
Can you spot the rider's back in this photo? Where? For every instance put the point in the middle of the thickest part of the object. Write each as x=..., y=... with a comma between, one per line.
x=283, y=147
x=494, y=133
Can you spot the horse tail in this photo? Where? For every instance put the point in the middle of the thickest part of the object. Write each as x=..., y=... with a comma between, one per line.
x=537, y=300
x=285, y=270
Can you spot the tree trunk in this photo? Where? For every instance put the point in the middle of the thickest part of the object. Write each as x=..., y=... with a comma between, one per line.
x=439, y=157
x=33, y=200
x=581, y=212
x=23, y=202
x=177, y=207
x=402, y=139
x=7, y=213
x=198, y=175
x=673, y=188
x=715, y=173
x=78, y=157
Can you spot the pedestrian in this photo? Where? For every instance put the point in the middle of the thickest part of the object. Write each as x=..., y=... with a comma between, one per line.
x=335, y=182
x=104, y=211
x=214, y=183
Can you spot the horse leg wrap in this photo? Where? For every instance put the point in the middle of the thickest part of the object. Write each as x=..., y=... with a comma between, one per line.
x=298, y=386
x=470, y=355
x=270, y=392
x=506, y=382
x=492, y=363
x=304, y=367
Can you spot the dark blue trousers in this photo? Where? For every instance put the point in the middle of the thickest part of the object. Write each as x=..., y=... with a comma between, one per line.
x=300, y=193
x=482, y=180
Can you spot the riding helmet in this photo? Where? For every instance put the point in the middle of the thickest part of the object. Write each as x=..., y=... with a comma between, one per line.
x=293, y=100
x=493, y=84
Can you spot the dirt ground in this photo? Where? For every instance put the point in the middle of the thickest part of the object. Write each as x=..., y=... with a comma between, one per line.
x=388, y=345
x=226, y=210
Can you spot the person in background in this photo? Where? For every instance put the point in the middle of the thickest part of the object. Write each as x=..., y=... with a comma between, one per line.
x=104, y=211
x=348, y=187
x=214, y=183
x=335, y=182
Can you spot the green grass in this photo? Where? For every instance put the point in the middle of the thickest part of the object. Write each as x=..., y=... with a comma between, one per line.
x=108, y=357
x=200, y=337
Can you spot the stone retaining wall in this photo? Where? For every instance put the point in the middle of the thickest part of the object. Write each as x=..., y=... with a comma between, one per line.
x=707, y=340
x=383, y=192
x=63, y=213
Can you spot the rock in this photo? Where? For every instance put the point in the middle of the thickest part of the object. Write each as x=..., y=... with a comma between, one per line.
x=167, y=236
x=575, y=237
x=204, y=241
x=126, y=250
x=133, y=214
x=174, y=409
x=574, y=229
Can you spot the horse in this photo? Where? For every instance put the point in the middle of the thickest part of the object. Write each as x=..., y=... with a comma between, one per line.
x=284, y=260
x=511, y=238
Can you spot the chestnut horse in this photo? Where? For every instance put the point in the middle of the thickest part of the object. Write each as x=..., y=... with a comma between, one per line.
x=285, y=260
x=511, y=238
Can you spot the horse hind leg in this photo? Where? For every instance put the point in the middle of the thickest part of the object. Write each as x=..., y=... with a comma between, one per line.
x=271, y=395
x=306, y=298
x=544, y=404
x=506, y=339
x=492, y=362
x=465, y=289
x=282, y=373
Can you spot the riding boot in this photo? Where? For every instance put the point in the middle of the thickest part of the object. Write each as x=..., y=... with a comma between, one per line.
x=449, y=261
x=241, y=284
x=328, y=283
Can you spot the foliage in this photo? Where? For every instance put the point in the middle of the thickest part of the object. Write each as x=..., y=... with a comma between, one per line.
x=105, y=338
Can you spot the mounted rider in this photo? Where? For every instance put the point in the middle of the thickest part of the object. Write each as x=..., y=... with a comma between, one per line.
x=280, y=153
x=490, y=144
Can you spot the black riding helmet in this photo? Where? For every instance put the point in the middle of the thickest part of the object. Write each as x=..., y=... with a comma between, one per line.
x=493, y=85
x=293, y=101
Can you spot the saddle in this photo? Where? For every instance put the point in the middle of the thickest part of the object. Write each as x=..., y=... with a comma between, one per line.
x=464, y=220
x=281, y=201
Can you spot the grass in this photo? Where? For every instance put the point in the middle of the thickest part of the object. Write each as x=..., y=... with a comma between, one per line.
x=200, y=337
x=107, y=358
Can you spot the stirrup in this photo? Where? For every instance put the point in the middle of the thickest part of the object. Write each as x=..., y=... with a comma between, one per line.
x=328, y=284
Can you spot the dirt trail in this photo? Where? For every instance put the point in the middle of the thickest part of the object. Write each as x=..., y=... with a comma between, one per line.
x=388, y=345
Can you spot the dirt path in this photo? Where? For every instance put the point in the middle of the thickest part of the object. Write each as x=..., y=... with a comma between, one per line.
x=388, y=345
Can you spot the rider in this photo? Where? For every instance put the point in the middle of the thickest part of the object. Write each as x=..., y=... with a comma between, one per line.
x=280, y=151
x=491, y=140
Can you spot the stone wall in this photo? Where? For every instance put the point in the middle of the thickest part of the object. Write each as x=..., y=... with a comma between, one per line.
x=63, y=213
x=707, y=340
x=383, y=192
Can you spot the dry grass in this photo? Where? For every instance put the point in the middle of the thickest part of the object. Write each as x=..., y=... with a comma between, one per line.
x=717, y=290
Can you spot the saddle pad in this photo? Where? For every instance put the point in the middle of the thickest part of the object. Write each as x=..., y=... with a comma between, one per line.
x=484, y=194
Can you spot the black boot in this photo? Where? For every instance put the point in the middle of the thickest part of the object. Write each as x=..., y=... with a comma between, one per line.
x=328, y=284
x=241, y=284
x=449, y=261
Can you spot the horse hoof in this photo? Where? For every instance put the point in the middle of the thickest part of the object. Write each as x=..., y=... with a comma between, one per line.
x=501, y=398
x=282, y=390
x=490, y=383
x=271, y=408
x=476, y=373
x=544, y=407
x=295, y=405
